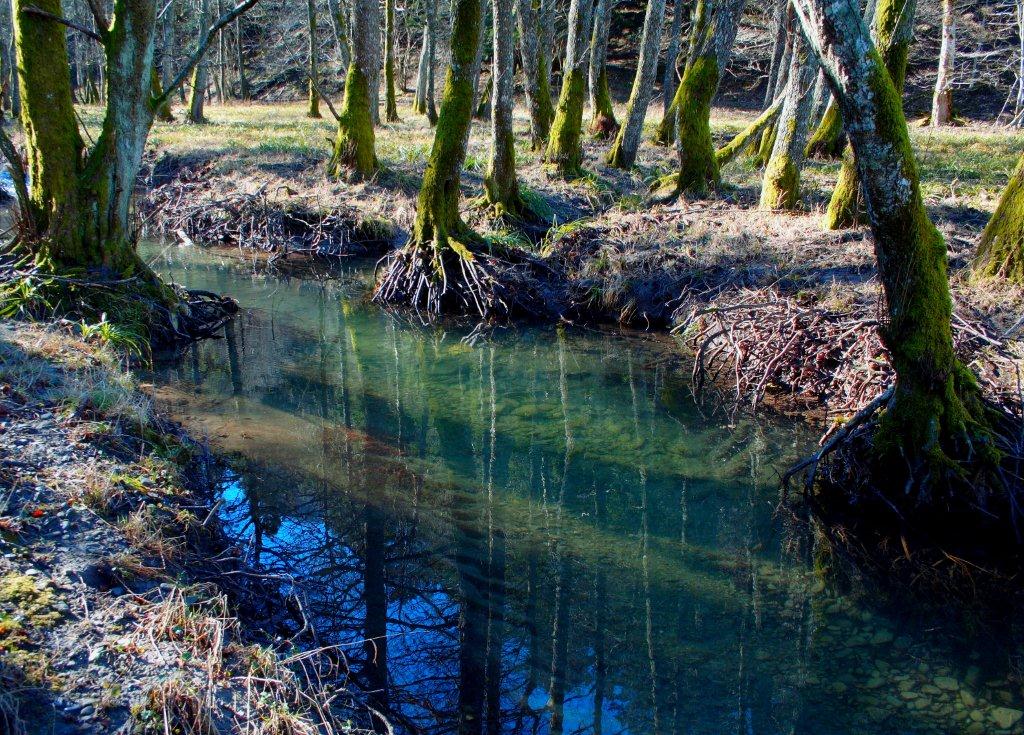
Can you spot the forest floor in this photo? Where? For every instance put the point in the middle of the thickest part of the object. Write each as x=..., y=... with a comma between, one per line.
x=123, y=608
x=619, y=258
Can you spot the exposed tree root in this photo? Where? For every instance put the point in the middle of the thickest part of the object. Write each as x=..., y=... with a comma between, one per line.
x=455, y=279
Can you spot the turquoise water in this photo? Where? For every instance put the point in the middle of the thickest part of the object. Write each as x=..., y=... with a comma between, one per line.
x=543, y=531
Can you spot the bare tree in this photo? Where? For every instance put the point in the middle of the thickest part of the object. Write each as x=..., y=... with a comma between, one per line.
x=603, y=123
x=942, y=100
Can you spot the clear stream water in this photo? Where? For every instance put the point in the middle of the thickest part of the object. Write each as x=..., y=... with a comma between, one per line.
x=544, y=532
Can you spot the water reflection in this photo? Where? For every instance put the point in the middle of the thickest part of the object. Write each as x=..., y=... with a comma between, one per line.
x=542, y=535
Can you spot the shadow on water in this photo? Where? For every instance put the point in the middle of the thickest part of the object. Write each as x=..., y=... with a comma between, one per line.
x=540, y=535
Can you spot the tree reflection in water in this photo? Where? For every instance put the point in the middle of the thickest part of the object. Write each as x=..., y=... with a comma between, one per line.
x=533, y=535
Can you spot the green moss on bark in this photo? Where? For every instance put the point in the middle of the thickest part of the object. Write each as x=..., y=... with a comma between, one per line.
x=698, y=167
x=1001, y=250
x=827, y=141
x=354, y=146
x=780, y=188
x=603, y=125
x=565, y=147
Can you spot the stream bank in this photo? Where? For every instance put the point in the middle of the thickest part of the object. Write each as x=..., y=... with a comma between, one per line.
x=123, y=606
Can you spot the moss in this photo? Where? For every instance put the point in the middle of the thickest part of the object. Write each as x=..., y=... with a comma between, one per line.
x=730, y=150
x=766, y=144
x=603, y=125
x=845, y=208
x=390, y=104
x=781, y=187
x=354, y=146
x=565, y=148
x=698, y=167
x=23, y=607
x=1001, y=250
x=545, y=113
x=163, y=111
x=827, y=141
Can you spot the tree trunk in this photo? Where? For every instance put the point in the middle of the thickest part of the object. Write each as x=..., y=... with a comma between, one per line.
x=536, y=83
x=781, y=185
x=391, y=102
x=942, y=100
x=828, y=140
x=603, y=124
x=623, y=150
x=501, y=189
x=893, y=30
x=715, y=33
x=1001, y=250
x=197, y=97
x=339, y=27
x=313, y=97
x=565, y=149
x=670, y=74
x=423, y=102
x=244, y=92
x=355, y=152
x=935, y=413
x=222, y=63
x=166, y=74
x=779, y=27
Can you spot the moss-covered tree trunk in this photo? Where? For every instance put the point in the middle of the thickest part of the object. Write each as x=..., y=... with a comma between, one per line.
x=942, y=99
x=934, y=420
x=1001, y=250
x=623, y=150
x=536, y=83
x=780, y=188
x=565, y=146
x=166, y=59
x=602, y=121
x=893, y=31
x=355, y=154
x=423, y=101
x=501, y=189
x=828, y=140
x=713, y=41
x=669, y=75
x=313, y=70
x=390, y=99
x=163, y=112
x=200, y=75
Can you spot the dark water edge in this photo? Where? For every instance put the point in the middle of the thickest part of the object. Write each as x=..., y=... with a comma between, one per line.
x=543, y=532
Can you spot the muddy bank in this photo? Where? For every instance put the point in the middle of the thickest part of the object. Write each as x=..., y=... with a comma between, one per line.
x=123, y=605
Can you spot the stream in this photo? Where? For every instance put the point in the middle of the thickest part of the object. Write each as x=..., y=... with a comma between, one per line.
x=542, y=531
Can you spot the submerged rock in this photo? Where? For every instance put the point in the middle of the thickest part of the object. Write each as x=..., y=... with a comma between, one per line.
x=1006, y=717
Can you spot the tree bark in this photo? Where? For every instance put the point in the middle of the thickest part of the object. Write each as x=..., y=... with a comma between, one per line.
x=781, y=185
x=536, y=83
x=893, y=31
x=603, y=123
x=565, y=148
x=166, y=73
x=391, y=102
x=623, y=150
x=714, y=34
x=313, y=70
x=934, y=419
x=670, y=74
x=779, y=27
x=942, y=100
x=355, y=154
x=423, y=102
x=501, y=189
x=244, y=92
x=339, y=27
x=197, y=97
x=1001, y=250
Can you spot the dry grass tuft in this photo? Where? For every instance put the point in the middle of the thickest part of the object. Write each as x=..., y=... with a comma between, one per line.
x=173, y=707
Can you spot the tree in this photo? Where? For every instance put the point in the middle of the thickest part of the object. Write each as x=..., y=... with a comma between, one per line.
x=423, y=101
x=781, y=185
x=1001, y=250
x=438, y=269
x=934, y=423
x=603, y=123
x=623, y=150
x=79, y=201
x=942, y=100
x=675, y=42
x=355, y=153
x=339, y=27
x=166, y=74
x=313, y=71
x=827, y=141
x=893, y=28
x=501, y=189
x=714, y=31
x=537, y=84
x=565, y=149
x=244, y=92
x=200, y=75
x=391, y=104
